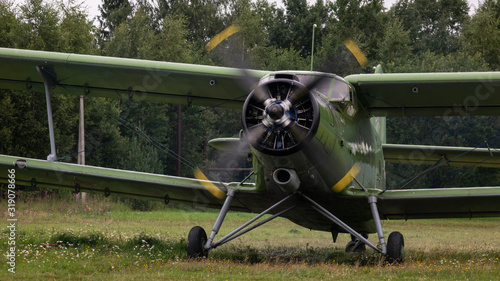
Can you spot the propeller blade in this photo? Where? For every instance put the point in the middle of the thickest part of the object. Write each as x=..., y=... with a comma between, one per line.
x=261, y=94
x=255, y=132
x=298, y=94
x=298, y=132
x=209, y=185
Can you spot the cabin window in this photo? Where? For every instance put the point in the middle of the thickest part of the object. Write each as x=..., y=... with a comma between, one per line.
x=334, y=89
x=340, y=91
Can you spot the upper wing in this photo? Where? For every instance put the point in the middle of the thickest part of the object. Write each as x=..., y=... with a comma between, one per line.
x=42, y=173
x=432, y=94
x=440, y=203
x=453, y=156
x=126, y=78
x=138, y=80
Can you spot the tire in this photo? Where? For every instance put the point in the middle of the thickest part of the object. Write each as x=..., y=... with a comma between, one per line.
x=395, y=248
x=351, y=247
x=196, y=242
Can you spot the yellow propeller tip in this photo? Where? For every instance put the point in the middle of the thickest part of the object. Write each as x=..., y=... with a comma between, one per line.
x=221, y=37
x=356, y=51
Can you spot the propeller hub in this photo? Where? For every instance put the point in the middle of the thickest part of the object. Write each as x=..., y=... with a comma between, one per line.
x=276, y=111
x=276, y=114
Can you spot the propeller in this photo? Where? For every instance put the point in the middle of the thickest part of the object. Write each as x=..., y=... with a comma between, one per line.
x=279, y=114
x=276, y=123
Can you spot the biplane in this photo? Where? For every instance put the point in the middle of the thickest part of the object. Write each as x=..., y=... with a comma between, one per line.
x=316, y=141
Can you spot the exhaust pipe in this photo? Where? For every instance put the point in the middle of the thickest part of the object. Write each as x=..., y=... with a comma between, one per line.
x=287, y=179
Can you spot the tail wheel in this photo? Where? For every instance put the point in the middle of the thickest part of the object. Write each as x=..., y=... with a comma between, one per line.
x=355, y=247
x=197, y=239
x=395, y=248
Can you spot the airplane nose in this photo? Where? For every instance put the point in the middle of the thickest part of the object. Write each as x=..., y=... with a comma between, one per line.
x=280, y=122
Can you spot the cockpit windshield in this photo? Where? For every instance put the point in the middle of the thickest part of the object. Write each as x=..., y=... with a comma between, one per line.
x=332, y=88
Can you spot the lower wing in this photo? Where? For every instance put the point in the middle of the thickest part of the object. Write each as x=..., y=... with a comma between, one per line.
x=452, y=156
x=468, y=202
x=106, y=181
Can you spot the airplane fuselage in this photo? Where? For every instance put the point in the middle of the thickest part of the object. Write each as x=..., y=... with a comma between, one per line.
x=337, y=164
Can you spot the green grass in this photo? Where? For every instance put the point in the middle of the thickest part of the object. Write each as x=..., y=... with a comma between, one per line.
x=105, y=240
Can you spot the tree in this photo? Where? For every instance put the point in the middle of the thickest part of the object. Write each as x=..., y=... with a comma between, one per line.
x=292, y=28
x=205, y=18
x=396, y=43
x=8, y=117
x=482, y=34
x=141, y=156
x=76, y=30
x=432, y=62
x=113, y=13
x=280, y=59
x=8, y=23
x=39, y=28
x=170, y=43
x=433, y=25
x=360, y=20
x=103, y=138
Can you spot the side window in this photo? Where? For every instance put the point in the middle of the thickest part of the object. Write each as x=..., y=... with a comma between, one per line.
x=343, y=97
x=339, y=91
x=335, y=90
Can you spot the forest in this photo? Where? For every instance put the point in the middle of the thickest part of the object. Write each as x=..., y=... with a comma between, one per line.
x=411, y=36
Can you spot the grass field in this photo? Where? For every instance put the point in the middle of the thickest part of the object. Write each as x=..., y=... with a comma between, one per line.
x=104, y=240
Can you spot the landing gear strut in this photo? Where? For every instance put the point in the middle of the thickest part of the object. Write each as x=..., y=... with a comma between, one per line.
x=197, y=235
x=393, y=251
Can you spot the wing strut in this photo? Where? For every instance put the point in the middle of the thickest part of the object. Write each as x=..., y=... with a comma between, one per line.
x=48, y=82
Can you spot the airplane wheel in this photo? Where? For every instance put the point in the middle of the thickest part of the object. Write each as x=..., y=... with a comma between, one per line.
x=195, y=244
x=361, y=248
x=395, y=248
x=350, y=247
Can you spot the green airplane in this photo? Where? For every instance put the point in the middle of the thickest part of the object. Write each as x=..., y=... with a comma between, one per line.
x=316, y=140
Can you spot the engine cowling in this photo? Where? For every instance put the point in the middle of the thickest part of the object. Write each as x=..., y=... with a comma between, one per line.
x=279, y=116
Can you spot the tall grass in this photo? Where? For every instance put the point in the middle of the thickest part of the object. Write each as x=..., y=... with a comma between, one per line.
x=61, y=238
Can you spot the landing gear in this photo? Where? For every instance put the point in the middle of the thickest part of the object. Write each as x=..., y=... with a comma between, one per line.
x=395, y=248
x=396, y=244
x=196, y=243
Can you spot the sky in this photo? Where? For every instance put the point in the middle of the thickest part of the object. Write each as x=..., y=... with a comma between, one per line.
x=92, y=5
